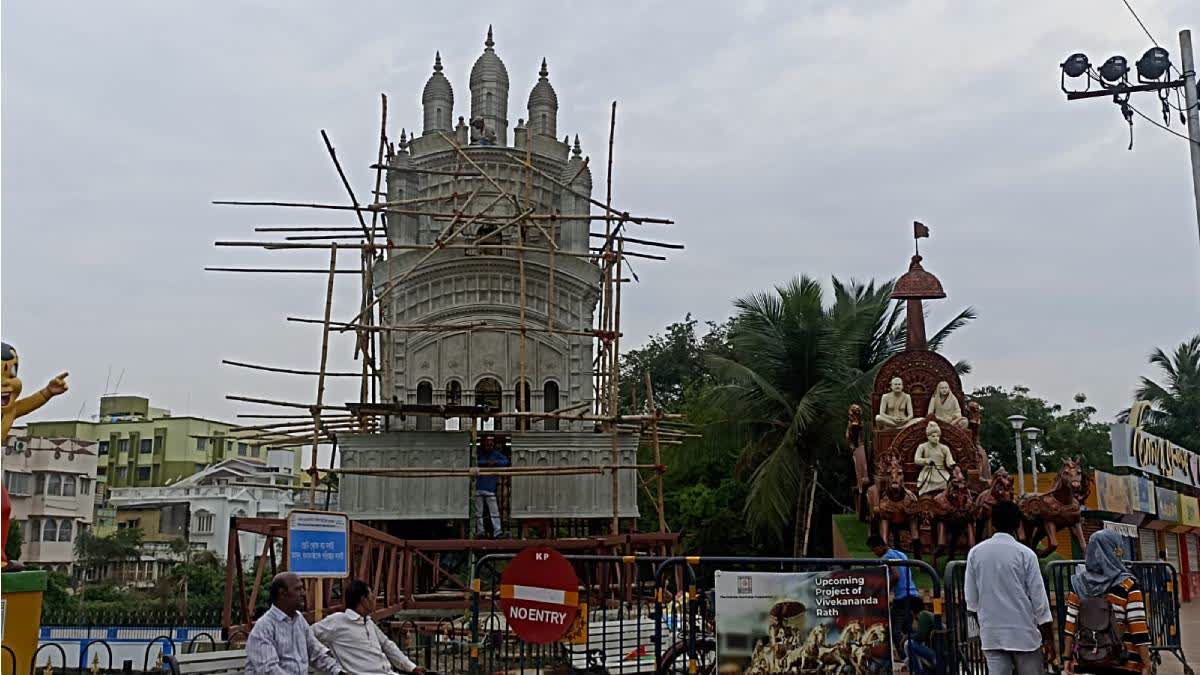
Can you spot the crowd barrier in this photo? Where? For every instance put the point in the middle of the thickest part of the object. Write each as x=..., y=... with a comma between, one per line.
x=648, y=615
x=1160, y=588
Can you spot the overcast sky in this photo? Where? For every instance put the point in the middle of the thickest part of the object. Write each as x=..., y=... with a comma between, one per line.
x=784, y=138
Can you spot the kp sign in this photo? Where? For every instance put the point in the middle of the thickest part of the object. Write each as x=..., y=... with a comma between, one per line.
x=539, y=594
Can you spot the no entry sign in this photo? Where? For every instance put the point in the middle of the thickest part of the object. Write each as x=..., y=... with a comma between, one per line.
x=539, y=594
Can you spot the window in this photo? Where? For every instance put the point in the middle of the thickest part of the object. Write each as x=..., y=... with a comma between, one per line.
x=424, y=397
x=18, y=484
x=50, y=530
x=32, y=530
x=242, y=449
x=550, y=404
x=103, y=448
x=143, y=473
x=123, y=445
x=199, y=445
x=256, y=451
x=147, y=446
x=229, y=446
x=132, y=523
x=203, y=522
x=68, y=486
x=487, y=392
x=122, y=474
x=453, y=397
x=64, y=531
x=85, y=486
x=54, y=484
x=159, y=441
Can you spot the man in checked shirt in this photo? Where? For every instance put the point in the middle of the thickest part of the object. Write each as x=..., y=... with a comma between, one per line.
x=357, y=642
x=281, y=642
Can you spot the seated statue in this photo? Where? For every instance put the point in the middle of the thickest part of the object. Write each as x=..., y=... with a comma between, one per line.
x=943, y=407
x=935, y=460
x=895, y=408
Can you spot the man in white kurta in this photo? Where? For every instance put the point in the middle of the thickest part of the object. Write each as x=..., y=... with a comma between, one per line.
x=357, y=642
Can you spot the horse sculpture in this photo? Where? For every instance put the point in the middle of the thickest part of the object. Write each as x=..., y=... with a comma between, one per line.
x=1000, y=490
x=894, y=504
x=953, y=510
x=862, y=462
x=1058, y=508
x=839, y=655
x=872, y=646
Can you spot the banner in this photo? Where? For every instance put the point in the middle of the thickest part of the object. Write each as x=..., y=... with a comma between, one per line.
x=1141, y=494
x=1123, y=529
x=770, y=622
x=1189, y=510
x=1112, y=493
x=1168, y=505
x=1135, y=448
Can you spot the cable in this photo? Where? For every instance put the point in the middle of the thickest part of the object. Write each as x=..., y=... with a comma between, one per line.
x=1139, y=20
x=1160, y=126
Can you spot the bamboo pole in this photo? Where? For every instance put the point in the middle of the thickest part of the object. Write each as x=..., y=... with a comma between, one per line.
x=288, y=371
x=283, y=404
x=613, y=408
x=659, y=501
x=316, y=410
x=431, y=472
x=346, y=184
x=277, y=270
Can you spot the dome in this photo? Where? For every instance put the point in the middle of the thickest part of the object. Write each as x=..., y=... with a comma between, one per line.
x=917, y=284
x=542, y=95
x=488, y=67
x=438, y=87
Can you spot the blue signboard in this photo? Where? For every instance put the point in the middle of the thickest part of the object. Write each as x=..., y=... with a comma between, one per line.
x=318, y=543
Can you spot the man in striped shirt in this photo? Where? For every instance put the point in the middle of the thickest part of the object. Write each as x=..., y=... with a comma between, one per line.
x=281, y=642
x=1104, y=575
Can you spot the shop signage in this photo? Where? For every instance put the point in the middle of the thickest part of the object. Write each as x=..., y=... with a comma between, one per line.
x=1123, y=529
x=1134, y=447
x=1141, y=494
x=1168, y=505
x=1112, y=493
x=1189, y=511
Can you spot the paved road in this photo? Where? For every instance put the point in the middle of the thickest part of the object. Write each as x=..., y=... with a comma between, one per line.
x=1190, y=631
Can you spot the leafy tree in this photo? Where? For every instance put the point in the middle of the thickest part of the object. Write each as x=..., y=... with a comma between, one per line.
x=796, y=365
x=101, y=553
x=676, y=362
x=1069, y=433
x=57, y=600
x=1175, y=415
x=12, y=547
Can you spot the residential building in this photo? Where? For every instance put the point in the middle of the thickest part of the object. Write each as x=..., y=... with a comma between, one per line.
x=52, y=484
x=198, y=508
x=142, y=446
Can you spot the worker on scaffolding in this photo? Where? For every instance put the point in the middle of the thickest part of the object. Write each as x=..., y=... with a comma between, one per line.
x=485, y=486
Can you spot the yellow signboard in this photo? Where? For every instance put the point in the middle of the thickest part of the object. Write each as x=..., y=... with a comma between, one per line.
x=1189, y=509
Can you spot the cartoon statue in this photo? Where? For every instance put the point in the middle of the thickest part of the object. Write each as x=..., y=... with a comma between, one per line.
x=13, y=407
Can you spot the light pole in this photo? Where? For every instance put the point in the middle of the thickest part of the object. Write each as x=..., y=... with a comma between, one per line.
x=1031, y=435
x=1018, y=421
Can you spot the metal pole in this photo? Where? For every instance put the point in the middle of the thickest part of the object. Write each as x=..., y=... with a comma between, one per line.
x=1033, y=463
x=1193, y=114
x=1020, y=463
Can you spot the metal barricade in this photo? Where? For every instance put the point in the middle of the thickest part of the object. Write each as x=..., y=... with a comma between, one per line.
x=965, y=655
x=689, y=641
x=1159, y=583
x=617, y=605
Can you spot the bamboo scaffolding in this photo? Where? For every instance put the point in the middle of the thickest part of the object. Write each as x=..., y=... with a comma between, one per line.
x=289, y=371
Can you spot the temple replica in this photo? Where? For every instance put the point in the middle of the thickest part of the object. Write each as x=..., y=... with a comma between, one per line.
x=488, y=332
x=924, y=482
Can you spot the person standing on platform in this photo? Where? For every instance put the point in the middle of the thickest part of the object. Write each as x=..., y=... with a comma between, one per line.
x=485, y=486
x=1004, y=590
x=906, y=601
x=281, y=642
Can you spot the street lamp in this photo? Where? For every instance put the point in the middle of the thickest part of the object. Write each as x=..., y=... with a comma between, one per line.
x=1031, y=435
x=1018, y=421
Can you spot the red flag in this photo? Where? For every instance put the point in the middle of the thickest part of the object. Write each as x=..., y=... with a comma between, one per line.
x=920, y=230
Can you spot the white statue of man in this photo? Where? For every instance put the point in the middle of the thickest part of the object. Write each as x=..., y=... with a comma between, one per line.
x=943, y=407
x=935, y=460
x=895, y=408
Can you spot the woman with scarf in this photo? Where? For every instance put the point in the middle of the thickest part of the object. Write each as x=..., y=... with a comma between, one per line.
x=1105, y=575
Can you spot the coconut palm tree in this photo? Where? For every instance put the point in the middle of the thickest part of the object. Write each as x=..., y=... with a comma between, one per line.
x=1175, y=414
x=797, y=365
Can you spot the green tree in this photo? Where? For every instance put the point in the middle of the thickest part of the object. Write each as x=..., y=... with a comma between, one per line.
x=675, y=360
x=12, y=547
x=1175, y=415
x=796, y=365
x=101, y=553
x=1069, y=433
